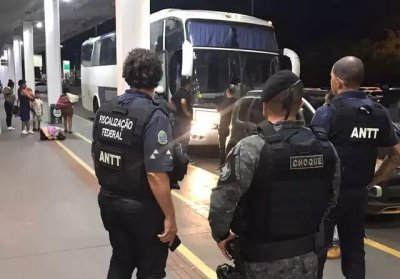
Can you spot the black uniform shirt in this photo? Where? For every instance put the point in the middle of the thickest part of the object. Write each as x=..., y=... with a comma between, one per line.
x=157, y=136
x=182, y=93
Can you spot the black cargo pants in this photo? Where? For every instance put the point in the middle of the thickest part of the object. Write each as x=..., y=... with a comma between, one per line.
x=349, y=216
x=133, y=227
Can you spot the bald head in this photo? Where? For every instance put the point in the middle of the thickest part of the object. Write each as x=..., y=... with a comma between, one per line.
x=350, y=70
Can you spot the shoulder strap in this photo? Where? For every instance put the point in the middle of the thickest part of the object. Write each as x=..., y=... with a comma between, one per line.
x=271, y=135
x=142, y=115
x=319, y=132
x=117, y=108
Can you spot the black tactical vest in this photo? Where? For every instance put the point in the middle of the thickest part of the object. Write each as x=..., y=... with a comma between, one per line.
x=289, y=193
x=118, y=148
x=356, y=131
x=181, y=160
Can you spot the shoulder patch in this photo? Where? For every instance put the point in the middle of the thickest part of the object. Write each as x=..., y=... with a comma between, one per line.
x=225, y=172
x=162, y=137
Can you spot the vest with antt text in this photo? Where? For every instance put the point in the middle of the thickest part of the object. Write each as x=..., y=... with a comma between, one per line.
x=118, y=148
x=356, y=131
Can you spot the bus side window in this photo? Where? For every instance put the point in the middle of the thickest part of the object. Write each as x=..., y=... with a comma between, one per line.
x=108, y=52
x=157, y=36
x=86, y=55
x=174, y=34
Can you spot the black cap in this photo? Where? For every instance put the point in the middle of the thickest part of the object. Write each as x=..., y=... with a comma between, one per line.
x=277, y=83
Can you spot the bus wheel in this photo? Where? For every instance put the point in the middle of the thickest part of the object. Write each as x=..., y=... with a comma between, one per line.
x=95, y=105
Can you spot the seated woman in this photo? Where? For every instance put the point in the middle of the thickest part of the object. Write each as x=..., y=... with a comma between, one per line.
x=52, y=133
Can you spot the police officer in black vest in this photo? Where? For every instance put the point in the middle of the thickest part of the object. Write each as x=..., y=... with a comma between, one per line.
x=133, y=156
x=280, y=183
x=357, y=127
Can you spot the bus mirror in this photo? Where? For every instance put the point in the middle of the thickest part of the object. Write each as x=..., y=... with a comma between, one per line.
x=187, y=59
x=160, y=89
x=294, y=60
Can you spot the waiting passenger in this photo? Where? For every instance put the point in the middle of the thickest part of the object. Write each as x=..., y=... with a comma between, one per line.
x=25, y=97
x=37, y=112
x=9, y=101
x=52, y=133
x=67, y=110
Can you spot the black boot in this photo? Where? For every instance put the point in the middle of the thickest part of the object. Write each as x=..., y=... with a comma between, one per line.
x=175, y=186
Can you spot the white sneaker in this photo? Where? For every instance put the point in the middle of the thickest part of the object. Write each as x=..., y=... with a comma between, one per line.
x=24, y=132
x=31, y=132
x=10, y=128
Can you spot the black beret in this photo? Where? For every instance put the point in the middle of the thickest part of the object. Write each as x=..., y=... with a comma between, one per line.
x=277, y=83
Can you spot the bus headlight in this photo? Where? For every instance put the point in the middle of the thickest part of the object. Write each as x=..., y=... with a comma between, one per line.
x=204, y=121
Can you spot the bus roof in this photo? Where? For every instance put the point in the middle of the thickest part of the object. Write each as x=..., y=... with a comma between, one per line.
x=212, y=15
x=196, y=14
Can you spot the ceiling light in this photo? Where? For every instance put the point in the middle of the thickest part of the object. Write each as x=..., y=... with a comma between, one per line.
x=66, y=1
x=39, y=24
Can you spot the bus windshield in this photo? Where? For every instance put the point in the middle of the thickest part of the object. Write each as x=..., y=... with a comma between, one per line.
x=214, y=70
x=226, y=34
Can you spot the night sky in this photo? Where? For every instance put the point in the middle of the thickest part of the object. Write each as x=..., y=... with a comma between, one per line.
x=321, y=31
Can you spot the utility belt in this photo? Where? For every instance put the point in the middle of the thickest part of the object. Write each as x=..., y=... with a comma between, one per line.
x=126, y=193
x=268, y=252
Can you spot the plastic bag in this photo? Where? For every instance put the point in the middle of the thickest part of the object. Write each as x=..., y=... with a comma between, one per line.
x=73, y=98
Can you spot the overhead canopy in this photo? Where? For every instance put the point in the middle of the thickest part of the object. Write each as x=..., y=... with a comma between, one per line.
x=76, y=16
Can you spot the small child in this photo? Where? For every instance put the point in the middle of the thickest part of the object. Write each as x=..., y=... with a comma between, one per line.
x=37, y=112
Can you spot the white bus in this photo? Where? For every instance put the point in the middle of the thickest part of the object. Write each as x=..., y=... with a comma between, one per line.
x=214, y=48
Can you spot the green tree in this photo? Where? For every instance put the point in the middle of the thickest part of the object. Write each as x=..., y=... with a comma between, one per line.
x=381, y=58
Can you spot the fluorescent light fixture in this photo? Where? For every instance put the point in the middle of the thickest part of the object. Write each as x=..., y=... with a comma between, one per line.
x=66, y=1
x=39, y=24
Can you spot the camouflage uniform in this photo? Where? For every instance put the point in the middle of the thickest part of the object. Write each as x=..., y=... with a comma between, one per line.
x=235, y=179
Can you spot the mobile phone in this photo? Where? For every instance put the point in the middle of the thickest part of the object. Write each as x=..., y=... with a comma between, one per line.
x=175, y=244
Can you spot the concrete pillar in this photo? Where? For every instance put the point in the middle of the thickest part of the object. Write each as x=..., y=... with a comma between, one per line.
x=17, y=60
x=53, y=52
x=11, y=67
x=28, y=54
x=132, y=31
